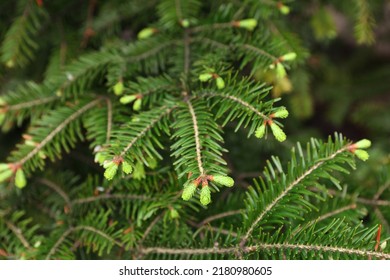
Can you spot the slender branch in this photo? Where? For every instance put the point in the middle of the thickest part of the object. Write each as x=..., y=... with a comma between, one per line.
x=57, y=189
x=196, y=135
x=335, y=212
x=19, y=234
x=185, y=251
x=318, y=248
x=285, y=192
x=146, y=129
x=211, y=42
x=211, y=26
x=373, y=202
x=150, y=227
x=187, y=58
x=74, y=229
x=151, y=52
x=239, y=101
x=249, y=249
x=220, y=216
x=57, y=130
x=32, y=103
x=110, y=196
x=109, y=120
x=381, y=189
x=258, y=51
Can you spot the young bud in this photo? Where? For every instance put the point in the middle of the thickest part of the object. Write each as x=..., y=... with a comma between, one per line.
x=282, y=113
x=220, y=83
x=205, y=77
x=205, y=195
x=173, y=214
x=363, y=144
x=100, y=158
x=137, y=104
x=146, y=33
x=127, y=99
x=185, y=23
x=280, y=70
x=20, y=179
x=278, y=132
x=42, y=155
x=10, y=63
x=260, y=131
x=118, y=88
x=126, y=167
x=248, y=24
x=139, y=171
x=5, y=174
x=188, y=191
x=111, y=170
x=4, y=167
x=223, y=180
x=285, y=10
x=289, y=56
x=362, y=154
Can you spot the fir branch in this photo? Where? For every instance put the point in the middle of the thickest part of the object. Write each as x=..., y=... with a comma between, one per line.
x=32, y=103
x=163, y=111
x=108, y=196
x=220, y=216
x=334, y=212
x=317, y=248
x=57, y=130
x=258, y=51
x=109, y=120
x=286, y=190
x=196, y=136
x=58, y=190
x=71, y=230
x=241, y=102
x=19, y=234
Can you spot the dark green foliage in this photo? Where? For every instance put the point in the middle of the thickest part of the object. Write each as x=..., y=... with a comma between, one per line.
x=112, y=109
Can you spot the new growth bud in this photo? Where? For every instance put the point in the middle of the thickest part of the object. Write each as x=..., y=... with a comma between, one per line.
x=185, y=23
x=361, y=154
x=363, y=144
x=189, y=190
x=205, y=195
x=289, y=56
x=285, y=10
x=118, y=88
x=111, y=169
x=260, y=131
x=278, y=132
x=205, y=77
x=146, y=33
x=137, y=104
x=280, y=71
x=248, y=24
x=5, y=172
x=20, y=179
x=127, y=99
x=126, y=167
x=220, y=83
x=282, y=113
x=223, y=180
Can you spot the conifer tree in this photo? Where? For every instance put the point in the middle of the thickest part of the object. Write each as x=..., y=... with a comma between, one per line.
x=144, y=95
